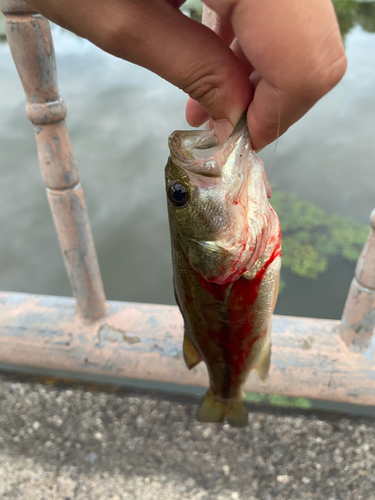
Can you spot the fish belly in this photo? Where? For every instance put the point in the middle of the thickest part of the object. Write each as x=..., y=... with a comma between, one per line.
x=229, y=326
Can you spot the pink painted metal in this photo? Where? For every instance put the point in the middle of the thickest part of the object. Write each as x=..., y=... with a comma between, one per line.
x=357, y=327
x=142, y=343
x=32, y=49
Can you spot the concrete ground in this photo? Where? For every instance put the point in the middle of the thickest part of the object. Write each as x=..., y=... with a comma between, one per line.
x=65, y=443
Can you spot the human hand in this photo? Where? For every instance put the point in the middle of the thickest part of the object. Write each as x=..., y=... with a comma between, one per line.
x=293, y=54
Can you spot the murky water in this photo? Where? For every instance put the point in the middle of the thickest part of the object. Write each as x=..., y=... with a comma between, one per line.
x=119, y=118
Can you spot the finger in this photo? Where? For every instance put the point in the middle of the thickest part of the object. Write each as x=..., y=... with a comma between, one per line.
x=237, y=50
x=255, y=79
x=221, y=25
x=195, y=113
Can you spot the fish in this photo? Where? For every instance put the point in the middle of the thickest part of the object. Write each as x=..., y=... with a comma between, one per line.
x=226, y=254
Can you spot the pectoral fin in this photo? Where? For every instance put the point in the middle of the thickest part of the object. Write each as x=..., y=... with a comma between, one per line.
x=191, y=356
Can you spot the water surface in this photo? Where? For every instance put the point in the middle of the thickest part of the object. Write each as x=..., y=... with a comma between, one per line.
x=119, y=119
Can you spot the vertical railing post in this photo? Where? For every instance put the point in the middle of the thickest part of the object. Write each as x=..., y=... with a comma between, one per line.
x=30, y=42
x=357, y=327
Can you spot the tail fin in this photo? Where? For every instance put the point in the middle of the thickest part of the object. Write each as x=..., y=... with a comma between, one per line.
x=238, y=415
x=213, y=410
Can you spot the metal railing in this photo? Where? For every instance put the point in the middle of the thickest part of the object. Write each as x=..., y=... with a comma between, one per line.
x=314, y=358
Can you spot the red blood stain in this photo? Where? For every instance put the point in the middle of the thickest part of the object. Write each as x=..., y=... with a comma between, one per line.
x=243, y=295
x=236, y=338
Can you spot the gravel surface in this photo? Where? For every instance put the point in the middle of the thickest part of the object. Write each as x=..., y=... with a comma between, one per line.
x=61, y=443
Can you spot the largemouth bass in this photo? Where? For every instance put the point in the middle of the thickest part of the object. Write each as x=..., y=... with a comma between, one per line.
x=226, y=247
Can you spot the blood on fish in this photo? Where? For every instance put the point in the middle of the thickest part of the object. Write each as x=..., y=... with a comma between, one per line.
x=243, y=295
x=235, y=338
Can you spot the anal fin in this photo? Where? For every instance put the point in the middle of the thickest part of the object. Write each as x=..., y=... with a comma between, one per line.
x=191, y=356
x=263, y=364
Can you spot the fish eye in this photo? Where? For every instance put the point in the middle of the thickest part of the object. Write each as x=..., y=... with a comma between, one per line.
x=178, y=194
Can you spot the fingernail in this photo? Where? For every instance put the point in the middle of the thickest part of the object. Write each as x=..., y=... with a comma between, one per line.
x=206, y=125
x=223, y=129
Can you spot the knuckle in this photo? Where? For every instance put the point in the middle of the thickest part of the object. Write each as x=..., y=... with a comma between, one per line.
x=336, y=71
x=207, y=85
x=315, y=75
x=328, y=72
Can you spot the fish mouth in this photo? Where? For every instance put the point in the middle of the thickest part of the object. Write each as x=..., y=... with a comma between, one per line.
x=195, y=151
x=200, y=151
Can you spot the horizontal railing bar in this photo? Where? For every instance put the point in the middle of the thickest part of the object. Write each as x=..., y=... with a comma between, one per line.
x=143, y=342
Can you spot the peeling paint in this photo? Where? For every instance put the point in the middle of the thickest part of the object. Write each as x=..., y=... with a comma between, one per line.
x=366, y=324
x=66, y=342
x=307, y=343
x=109, y=334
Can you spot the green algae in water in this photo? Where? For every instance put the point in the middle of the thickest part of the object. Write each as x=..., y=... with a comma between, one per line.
x=278, y=400
x=310, y=236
